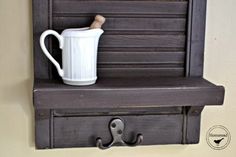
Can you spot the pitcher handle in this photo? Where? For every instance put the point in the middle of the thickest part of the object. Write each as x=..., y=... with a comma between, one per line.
x=45, y=51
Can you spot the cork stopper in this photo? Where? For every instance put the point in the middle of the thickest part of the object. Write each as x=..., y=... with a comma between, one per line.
x=98, y=22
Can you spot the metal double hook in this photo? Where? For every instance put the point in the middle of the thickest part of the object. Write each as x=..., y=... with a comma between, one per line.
x=117, y=129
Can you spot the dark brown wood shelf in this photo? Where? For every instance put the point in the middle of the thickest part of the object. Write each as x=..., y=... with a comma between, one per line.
x=150, y=69
x=128, y=92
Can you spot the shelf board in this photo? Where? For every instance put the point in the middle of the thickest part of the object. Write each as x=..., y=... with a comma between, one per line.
x=128, y=93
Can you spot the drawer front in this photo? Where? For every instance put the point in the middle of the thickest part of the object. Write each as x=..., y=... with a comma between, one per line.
x=82, y=131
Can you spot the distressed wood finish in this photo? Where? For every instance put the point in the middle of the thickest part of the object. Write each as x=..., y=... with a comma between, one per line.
x=113, y=24
x=196, y=38
x=150, y=68
x=192, y=123
x=40, y=24
x=43, y=128
x=151, y=127
x=127, y=71
x=137, y=7
x=68, y=127
x=152, y=26
x=124, y=56
x=129, y=92
x=137, y=41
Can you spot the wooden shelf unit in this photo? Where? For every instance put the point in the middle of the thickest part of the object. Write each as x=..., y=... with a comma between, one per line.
x=150, y=68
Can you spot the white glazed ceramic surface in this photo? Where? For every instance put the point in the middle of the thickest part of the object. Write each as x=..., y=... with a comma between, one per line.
x=79, y=54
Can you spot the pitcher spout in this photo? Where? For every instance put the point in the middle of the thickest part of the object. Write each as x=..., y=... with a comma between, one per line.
x=99, y=32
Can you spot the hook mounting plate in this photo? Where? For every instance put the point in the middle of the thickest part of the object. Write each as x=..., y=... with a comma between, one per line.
x=117, y=129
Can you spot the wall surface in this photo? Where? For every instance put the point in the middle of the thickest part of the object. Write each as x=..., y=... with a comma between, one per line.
x=16, y=109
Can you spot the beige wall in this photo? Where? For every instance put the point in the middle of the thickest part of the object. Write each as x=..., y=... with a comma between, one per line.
x=16, y=111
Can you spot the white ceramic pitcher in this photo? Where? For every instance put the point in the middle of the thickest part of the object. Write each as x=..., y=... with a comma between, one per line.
x=79, y=54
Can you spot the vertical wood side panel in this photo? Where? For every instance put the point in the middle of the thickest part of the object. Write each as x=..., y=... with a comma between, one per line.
x=196, y=54
x=189, y=33
x=40, y=24
x=50, y=46
x=193, y=124
x=42, y=129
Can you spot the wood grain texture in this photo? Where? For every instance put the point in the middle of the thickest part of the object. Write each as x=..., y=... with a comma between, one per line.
x=73, y=132
x=140, y=41
x=197, y=38
x=133, y=93
x=119, y=7
x=42, y=129
x=141, y=57
x=118, y=111
x=132, y=71
x=160, y=26
x=123, y=24
x=40, y=24
x=193, y=124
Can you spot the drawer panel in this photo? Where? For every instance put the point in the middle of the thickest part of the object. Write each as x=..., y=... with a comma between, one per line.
x=84, y=130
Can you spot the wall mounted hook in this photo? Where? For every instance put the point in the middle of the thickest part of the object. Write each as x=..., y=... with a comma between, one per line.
x=117, y=128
